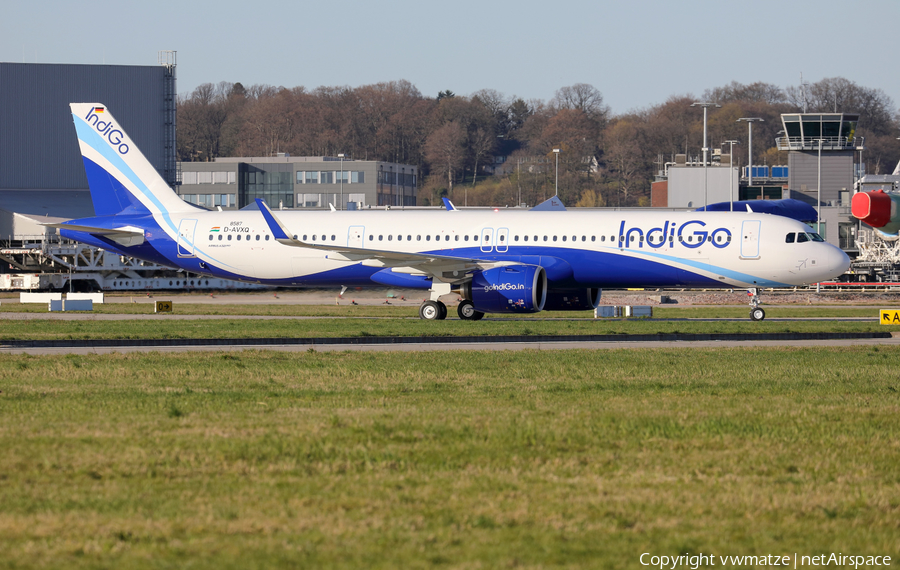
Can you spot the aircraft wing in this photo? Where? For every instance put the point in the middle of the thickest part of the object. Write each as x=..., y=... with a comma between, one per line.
x=443, y=266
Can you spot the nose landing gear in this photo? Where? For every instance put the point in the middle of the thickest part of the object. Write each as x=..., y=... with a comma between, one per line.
x=756, y=313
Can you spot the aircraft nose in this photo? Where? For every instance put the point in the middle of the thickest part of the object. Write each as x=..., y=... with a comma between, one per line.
x=838, y=262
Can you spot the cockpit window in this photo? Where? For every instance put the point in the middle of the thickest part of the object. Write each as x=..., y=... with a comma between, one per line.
x=815, y=237
x=790, y=238
x=801, y=237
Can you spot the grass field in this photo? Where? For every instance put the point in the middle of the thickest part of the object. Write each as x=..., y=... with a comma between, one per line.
x=575, y=459
x=289, y=328
x=411, y=310
x=403, y=321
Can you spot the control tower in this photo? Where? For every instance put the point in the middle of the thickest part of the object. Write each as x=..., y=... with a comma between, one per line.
x=822, y=147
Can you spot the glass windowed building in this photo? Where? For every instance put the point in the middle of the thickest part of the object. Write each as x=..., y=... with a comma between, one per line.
x=298, y=182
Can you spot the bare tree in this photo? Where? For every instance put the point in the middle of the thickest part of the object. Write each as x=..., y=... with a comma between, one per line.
x=585, y=98
x=758, y=92
x=623, y=156
x=445, y=151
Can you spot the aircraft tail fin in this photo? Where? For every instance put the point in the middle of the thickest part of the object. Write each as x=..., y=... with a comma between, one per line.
x=119, y=175
x=551, y=204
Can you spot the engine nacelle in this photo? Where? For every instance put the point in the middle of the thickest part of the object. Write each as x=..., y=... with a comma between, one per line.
x=509, y=289
x=572, y=299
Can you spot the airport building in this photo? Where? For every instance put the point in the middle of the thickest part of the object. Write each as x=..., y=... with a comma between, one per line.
x=298, y=182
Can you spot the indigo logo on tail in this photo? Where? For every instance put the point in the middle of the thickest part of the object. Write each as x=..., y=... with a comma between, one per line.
x=105, y=128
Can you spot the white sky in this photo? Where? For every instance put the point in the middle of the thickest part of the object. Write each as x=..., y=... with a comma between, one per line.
x=637, y=53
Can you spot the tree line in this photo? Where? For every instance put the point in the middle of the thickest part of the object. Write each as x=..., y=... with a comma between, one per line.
x=458, y=142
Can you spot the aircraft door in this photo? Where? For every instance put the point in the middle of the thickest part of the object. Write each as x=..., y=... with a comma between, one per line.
x=355, y=236
x=502, y=240
x=487, y=239
x=750, y=239
x=185, y=241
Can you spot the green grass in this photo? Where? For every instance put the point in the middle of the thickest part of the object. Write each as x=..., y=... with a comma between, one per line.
x=408, y=309
x=350, y=321
x=164, y=327
x=574, y=459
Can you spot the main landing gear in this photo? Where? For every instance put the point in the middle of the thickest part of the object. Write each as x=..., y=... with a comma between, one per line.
x=437, y=311
x=466, y=311
x=756, y=313
x=433, y=311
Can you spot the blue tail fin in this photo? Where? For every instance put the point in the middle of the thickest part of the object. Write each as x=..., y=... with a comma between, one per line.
x=121, y=179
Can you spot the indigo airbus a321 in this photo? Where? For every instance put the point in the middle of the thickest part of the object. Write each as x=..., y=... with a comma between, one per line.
x=498, y=261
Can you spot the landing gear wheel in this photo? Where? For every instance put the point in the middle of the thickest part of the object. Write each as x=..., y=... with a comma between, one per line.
x=466, y=311
x=756, y=314
x=433, y=311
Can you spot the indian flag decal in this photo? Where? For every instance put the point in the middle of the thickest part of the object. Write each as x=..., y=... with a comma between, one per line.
x=215, y=229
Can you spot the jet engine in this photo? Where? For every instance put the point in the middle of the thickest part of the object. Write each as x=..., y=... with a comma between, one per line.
x=508, y=289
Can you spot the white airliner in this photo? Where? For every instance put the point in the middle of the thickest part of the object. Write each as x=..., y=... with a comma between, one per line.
x=498, y=261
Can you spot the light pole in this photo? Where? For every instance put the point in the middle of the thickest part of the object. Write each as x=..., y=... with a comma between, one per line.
x=819, y=189
x=705, y=104
x=731, y=174
x=556, y=152
x=750, y=121
x=341, y=156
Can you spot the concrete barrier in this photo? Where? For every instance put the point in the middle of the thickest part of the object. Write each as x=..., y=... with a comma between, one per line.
x=638, y=311
x=97, y=298
x=78, y=305
x=606, y=311
x=61, y=305
x=39, y=297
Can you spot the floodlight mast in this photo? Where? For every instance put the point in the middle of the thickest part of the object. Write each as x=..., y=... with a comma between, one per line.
x=341, y=156
x=705, y=105
x=731, y=173
x=750, y=121
x=556, y=152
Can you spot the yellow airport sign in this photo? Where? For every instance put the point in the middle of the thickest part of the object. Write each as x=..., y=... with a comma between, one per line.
x=890, y=317
x=163, y=307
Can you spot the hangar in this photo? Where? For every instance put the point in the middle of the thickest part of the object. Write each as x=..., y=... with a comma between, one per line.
x=41, y=171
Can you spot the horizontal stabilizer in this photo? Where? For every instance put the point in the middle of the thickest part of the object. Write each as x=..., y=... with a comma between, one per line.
x=126, y=236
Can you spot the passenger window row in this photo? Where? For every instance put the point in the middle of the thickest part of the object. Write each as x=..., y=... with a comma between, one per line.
x=238, y=237
x=790, y=238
